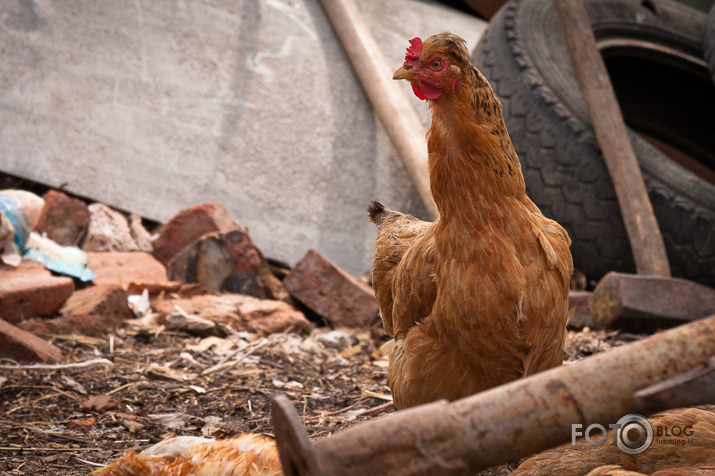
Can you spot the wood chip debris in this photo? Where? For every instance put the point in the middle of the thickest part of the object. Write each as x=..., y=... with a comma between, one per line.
x=171, y=382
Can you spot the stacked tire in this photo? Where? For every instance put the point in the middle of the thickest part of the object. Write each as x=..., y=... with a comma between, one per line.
x=524, y=56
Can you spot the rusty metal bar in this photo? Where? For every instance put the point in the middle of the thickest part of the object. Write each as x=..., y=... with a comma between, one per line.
x=640, y=303
x=515, y=420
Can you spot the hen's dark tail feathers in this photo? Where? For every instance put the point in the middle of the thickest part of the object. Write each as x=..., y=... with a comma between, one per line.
x=375, y=212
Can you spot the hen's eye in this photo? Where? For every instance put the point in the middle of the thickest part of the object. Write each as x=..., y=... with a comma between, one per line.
x=436, y=64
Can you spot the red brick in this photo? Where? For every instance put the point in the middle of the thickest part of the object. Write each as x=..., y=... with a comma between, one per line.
x=238, y=311
x=188, y=226
x=124, y=267
x=30, y=291
x=220, y=262
x=64, y=219
x=269, y=316
x=105, y=299
x=332, y=293
x=580, y=309
x=23, y=346
x=92, y=311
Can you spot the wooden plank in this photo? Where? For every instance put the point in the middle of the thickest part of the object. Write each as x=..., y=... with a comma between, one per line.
x=388, y=99
x=611, y=133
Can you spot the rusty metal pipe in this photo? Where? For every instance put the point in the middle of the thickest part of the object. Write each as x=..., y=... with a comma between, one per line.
x=508, y=422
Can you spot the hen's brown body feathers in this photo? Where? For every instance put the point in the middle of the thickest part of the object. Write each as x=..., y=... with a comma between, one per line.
x=664, y=453
x=244, y=455
x=479, y=297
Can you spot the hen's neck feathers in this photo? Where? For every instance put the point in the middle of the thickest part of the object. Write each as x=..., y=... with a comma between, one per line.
x=472, y=161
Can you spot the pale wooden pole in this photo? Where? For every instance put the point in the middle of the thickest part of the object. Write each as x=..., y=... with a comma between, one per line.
x=642, y=228
x=397, y=115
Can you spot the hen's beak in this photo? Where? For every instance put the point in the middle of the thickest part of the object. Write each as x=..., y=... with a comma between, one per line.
x=403, y=73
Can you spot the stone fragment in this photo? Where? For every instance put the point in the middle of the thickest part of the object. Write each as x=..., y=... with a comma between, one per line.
x=31, y=291
x=93, y=311
x=237, y=311
x=124, y=267
x=108, y=230
x=220, y=262
x=64, y=219
x=24, y=346
x=132, y=426
x=141, y=236
x=580, y=310
x=99, y=404
x=110, y=300
x=332, y=293
x=188, y=226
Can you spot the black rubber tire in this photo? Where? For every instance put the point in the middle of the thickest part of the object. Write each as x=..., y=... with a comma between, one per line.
x=524, y=56
x=709, y=42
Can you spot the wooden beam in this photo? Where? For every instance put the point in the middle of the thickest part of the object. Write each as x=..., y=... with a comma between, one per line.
x=642, y=228
x=388, y=99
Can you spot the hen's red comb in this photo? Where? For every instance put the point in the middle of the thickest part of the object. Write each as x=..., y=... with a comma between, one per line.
x=413, y=52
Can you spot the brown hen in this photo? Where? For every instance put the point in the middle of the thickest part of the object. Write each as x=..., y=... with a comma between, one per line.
x=666, y=453
x=244, y=455
x=479, y=297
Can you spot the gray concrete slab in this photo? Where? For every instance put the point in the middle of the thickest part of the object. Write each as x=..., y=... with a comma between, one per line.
x=153, y=106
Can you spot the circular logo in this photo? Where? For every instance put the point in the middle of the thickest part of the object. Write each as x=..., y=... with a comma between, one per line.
x=634, y=434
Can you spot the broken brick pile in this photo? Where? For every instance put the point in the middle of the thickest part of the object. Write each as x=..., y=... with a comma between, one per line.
x=201, y=261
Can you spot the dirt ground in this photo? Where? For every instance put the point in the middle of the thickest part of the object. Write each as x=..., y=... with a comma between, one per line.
x=167, y=383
